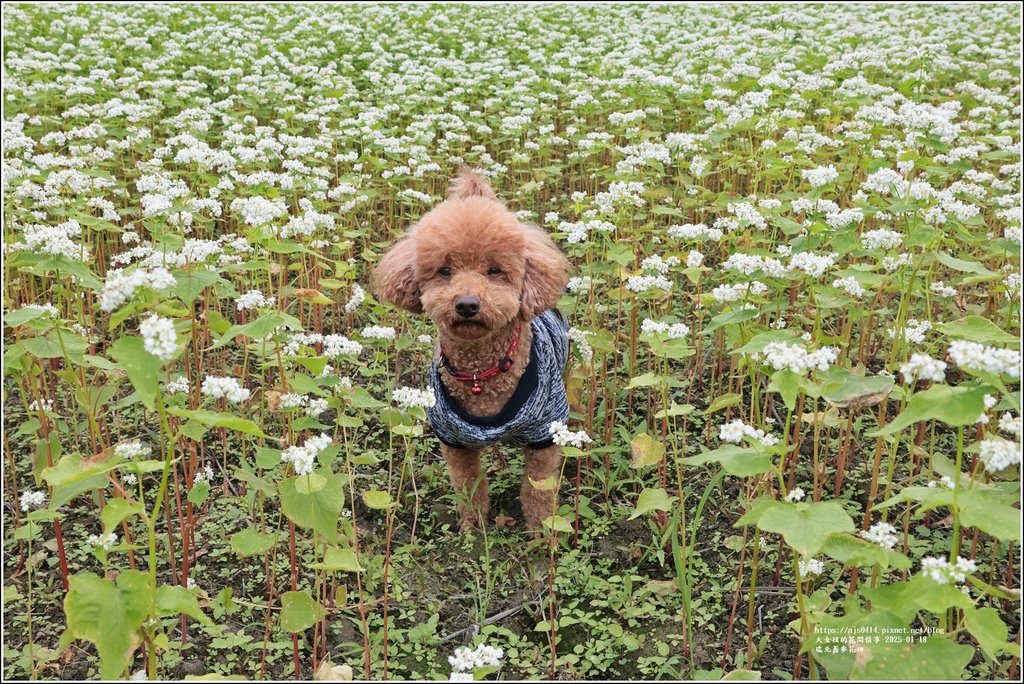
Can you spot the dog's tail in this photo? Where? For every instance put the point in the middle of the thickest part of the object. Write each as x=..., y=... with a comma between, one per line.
x=471, y=183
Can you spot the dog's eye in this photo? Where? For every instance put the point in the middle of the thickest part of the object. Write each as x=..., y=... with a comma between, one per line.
x=445, y=271
x=494, y=270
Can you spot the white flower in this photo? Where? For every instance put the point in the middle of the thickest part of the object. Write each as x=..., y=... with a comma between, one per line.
x=378, y=332
x=675, y=331
x=923, y=367
x=914, y=331
x=812, y=264
x=45, y=405
x=998, y=454
x=254, y=299
x=132, y=449
x=795, y=494
x=106, y=541
x=303, y=458
x=358, y=295
x=178, y=386
x=120, y=286
x=467, y=659
x=940, y=288
x=975, y=356
x=944, y=572
x=731, y=293
x=881, y=239
x=316, y=407
x=642, y=283
x=881, y=533
x=945, y=481
x=781, y=355
x=1011, y=424
x=694, y=259
x=410, y=397
x=822, y=175
x=32, y=499
x=203, y=476
x=228, y=388
x=736, y=430
x=850, y=286
x=579, y=284
x=811, y=567
x=159, y=337
x=563, y=436
x=338, y=345
x=579, y=338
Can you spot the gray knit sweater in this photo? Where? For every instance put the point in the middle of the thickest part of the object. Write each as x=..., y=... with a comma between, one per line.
x=526, y=419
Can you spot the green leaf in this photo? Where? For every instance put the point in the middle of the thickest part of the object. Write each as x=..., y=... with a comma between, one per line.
x=729, y=318
x=198, y=494
x=806, y=526
x=175, y=600
x=652, y=499
x=988, y=628
x=256, y=330
x=219, y=419
x=338, y=560
x=978, y=329
x=118, y=510
x=964, y=266
x=109, y=616
x=73, y=475
x=850, y=390
x=377, y=499
x=192, y=283
x=959, y=405
x=318, y=511
x=558, y=523
x=861, y=553
x=647, y=451
x=788, y=384
x=723, y=401
x=735, y=460
x=252, y=542
x=143, y=368
x=899, y=655
x=299, y=611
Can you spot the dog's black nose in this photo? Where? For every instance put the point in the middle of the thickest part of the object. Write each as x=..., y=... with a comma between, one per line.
x=467, y=307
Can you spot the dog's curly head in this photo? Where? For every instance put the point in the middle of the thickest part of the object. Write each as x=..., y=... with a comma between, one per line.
x=471, y=265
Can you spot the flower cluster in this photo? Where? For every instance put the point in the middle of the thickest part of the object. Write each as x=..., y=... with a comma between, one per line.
x=881, y=533
x=226, y=388
x=302, y=458
x=783, y=355
x=736, y=430
x=467, y=659
x=159, y=337
x=411, y=397
x=563, y=436
x=979, y=357
x=923, y=367
x=675, y=331
x=944, y=572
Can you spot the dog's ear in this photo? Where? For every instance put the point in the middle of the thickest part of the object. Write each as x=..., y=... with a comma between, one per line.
x=470, y=183
x=394, y=279
x=546, y=273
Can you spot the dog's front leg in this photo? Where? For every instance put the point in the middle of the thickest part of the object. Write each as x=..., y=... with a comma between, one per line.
x=470, y=481
x=539, y=503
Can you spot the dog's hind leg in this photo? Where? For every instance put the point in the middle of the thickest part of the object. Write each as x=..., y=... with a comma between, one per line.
x=469, y=481
x=540, y=502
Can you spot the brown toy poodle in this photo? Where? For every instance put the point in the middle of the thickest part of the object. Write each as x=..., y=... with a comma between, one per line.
x=489, y=283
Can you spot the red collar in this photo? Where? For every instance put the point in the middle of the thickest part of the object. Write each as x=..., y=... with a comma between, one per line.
x=502, y=366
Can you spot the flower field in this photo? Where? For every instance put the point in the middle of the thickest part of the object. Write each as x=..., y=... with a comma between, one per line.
x=795, y=310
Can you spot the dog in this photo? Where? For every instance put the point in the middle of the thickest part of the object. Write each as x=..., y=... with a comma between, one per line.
x=490, y=283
